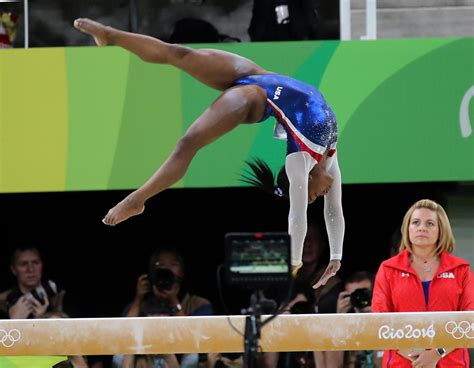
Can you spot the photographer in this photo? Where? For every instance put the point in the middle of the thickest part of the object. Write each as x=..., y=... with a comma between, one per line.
x=163, y=292
x=32, y=296
x=357, y=294
x=166, y=282
x=356, y=298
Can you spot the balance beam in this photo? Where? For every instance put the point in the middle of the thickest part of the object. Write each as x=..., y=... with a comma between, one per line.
x=162, y=335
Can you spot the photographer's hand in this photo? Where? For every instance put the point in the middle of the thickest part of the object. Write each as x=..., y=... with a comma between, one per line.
x=330, y=271
x=57, y=301
x=21, y=309
x=343, y=302
x=38, y=308
x=143, y=287
x=367, y=309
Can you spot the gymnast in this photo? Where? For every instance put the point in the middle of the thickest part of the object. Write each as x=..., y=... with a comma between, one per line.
x=249, y=95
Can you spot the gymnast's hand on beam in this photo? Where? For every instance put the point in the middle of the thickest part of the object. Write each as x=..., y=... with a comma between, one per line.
x=333, y=266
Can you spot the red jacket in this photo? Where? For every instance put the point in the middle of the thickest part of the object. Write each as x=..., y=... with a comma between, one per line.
x=398, y=289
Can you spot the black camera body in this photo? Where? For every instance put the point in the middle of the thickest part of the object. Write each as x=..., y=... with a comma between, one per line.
x=38, y=295
x=162, y=278
x=361, y=298
x=47, y=290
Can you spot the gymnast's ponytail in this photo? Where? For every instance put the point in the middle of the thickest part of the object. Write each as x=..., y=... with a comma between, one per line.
x=261, y=176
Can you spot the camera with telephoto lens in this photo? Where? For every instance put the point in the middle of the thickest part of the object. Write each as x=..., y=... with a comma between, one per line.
x=361, y=298
x=162, y=278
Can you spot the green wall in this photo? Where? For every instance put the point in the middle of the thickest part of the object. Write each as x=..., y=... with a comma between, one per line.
x=99, y=118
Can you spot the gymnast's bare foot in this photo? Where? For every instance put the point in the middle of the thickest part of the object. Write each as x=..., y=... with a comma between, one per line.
x=95, y=29
x=129, y=207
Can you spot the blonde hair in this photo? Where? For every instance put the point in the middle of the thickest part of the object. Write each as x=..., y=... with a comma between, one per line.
x=445, y=239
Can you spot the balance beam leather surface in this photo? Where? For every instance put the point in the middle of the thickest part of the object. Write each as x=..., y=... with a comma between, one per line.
x=163, y=335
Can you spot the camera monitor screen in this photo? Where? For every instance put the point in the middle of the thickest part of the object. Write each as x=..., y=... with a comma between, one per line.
x=258, y=259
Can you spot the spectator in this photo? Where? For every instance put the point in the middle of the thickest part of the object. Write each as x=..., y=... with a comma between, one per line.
x=357, y=293
x=32, y=296
x=35, y=297
x=425, y=277
x=163, y=292
x=356, y=298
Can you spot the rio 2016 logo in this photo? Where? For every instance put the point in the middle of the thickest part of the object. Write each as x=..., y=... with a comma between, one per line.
x=408, y=332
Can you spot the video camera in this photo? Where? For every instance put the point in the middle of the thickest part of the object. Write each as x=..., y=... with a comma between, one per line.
x=258, y=260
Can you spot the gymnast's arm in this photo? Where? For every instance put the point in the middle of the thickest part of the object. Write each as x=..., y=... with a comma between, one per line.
x=333, y=215
x=298, y=166
x=334, y=219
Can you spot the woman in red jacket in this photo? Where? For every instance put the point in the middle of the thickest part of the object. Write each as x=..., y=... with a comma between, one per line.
x=425, y=277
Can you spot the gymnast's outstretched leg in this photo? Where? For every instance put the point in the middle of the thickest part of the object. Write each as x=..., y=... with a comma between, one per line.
x=242, y=104
x=215, y=68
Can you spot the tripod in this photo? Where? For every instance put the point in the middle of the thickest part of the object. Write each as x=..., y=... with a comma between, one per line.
x=253, y=325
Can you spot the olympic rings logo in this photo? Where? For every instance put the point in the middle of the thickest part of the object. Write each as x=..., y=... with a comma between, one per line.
x=458, y=331
x=9, y=338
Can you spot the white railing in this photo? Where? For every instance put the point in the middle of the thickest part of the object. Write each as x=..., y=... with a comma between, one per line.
x=370, y=19
x=27, y=22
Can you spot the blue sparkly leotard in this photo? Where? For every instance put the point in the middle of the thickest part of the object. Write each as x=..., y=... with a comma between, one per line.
x=309, y=126
x=300, y=109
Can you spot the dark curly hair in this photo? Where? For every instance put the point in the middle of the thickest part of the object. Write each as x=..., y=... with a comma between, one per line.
x=260, y=175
